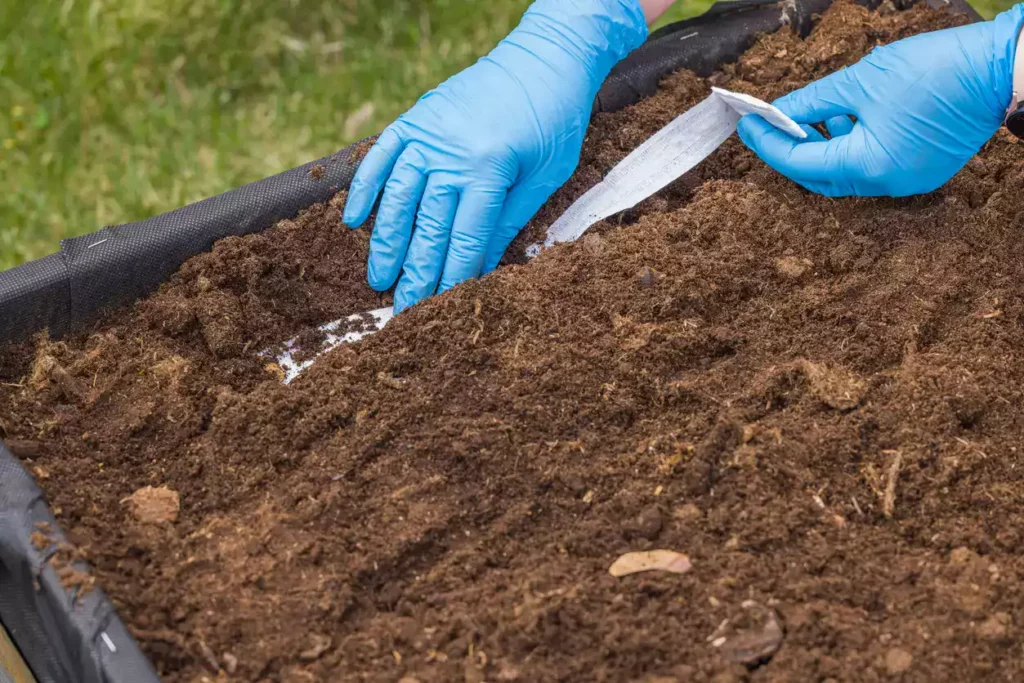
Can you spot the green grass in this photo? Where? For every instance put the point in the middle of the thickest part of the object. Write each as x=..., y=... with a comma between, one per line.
x=116, y=110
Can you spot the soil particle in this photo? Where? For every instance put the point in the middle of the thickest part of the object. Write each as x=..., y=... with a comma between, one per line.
x=445, y=498
x=751, y=639
x=687, y=514
x=648, y=277
x=361, y=149
x=793, y=268
x=996, y=627
x=40, y=541
x=208, y=657
x=318, y=646
x=308, y=344
x=732, y=674
x=151, y=505
x=898, y=661
x=647, y=525
x=68, y=562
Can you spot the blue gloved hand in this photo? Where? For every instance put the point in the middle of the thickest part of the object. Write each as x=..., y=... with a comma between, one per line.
x=924, y=107
x=479, y=155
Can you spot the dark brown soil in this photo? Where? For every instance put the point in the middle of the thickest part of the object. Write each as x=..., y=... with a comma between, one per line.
x=818, y=401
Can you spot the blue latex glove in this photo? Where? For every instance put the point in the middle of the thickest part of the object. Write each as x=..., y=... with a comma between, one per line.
x=924, y=107
x=476, y=158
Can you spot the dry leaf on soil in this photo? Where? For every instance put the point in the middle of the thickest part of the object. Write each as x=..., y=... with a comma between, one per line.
x=653, y=560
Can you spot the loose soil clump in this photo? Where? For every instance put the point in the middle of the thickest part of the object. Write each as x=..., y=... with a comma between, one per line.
x=817, y=402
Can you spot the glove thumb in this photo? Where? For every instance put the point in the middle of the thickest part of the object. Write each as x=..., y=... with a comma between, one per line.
x=822, y=100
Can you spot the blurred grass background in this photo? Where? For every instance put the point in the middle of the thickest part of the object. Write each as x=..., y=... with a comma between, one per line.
x=117, y=110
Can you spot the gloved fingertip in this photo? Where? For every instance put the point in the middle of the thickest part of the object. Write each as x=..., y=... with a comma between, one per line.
x=352, y=220
x=356, y=210
x=499, y=245
x=804, y=161
x=379, y=274
x=454, y=281
x=743, y=128
x=406, y=296
x=458, y=269
x=490, y=265
x=813, y=135
x=818, y=101
x=839, y=125
x=799, y=105
x=371, y=175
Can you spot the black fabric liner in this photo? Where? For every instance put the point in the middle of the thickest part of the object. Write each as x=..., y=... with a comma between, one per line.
x=60, y=636
x=67, y=639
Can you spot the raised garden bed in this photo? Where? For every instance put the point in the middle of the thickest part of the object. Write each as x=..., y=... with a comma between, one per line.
x=817, y=401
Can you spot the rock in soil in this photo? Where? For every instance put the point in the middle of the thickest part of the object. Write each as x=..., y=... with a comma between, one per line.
x=752, y=638
x=444, y=499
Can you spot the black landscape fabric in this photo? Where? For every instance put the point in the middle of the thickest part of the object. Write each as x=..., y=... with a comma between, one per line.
x=64, y=636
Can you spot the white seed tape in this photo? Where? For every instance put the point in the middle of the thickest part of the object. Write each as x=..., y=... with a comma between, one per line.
x=356, y=327
x=667, y=155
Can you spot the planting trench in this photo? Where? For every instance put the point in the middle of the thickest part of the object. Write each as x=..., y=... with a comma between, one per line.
x=817, y=401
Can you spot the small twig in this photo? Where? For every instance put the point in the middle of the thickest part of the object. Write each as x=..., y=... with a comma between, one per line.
x=972, y=447
x=856, y=506
x=889, y=500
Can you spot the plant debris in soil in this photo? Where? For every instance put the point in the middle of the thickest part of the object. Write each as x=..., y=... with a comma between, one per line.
x=817, y=401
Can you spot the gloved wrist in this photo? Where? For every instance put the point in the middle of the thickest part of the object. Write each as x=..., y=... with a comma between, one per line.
x=1006, y=30
x=599, y=33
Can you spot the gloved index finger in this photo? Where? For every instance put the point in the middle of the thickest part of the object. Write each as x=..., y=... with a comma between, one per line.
x=371, y=176
x=402, y=194
x=817, y=162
